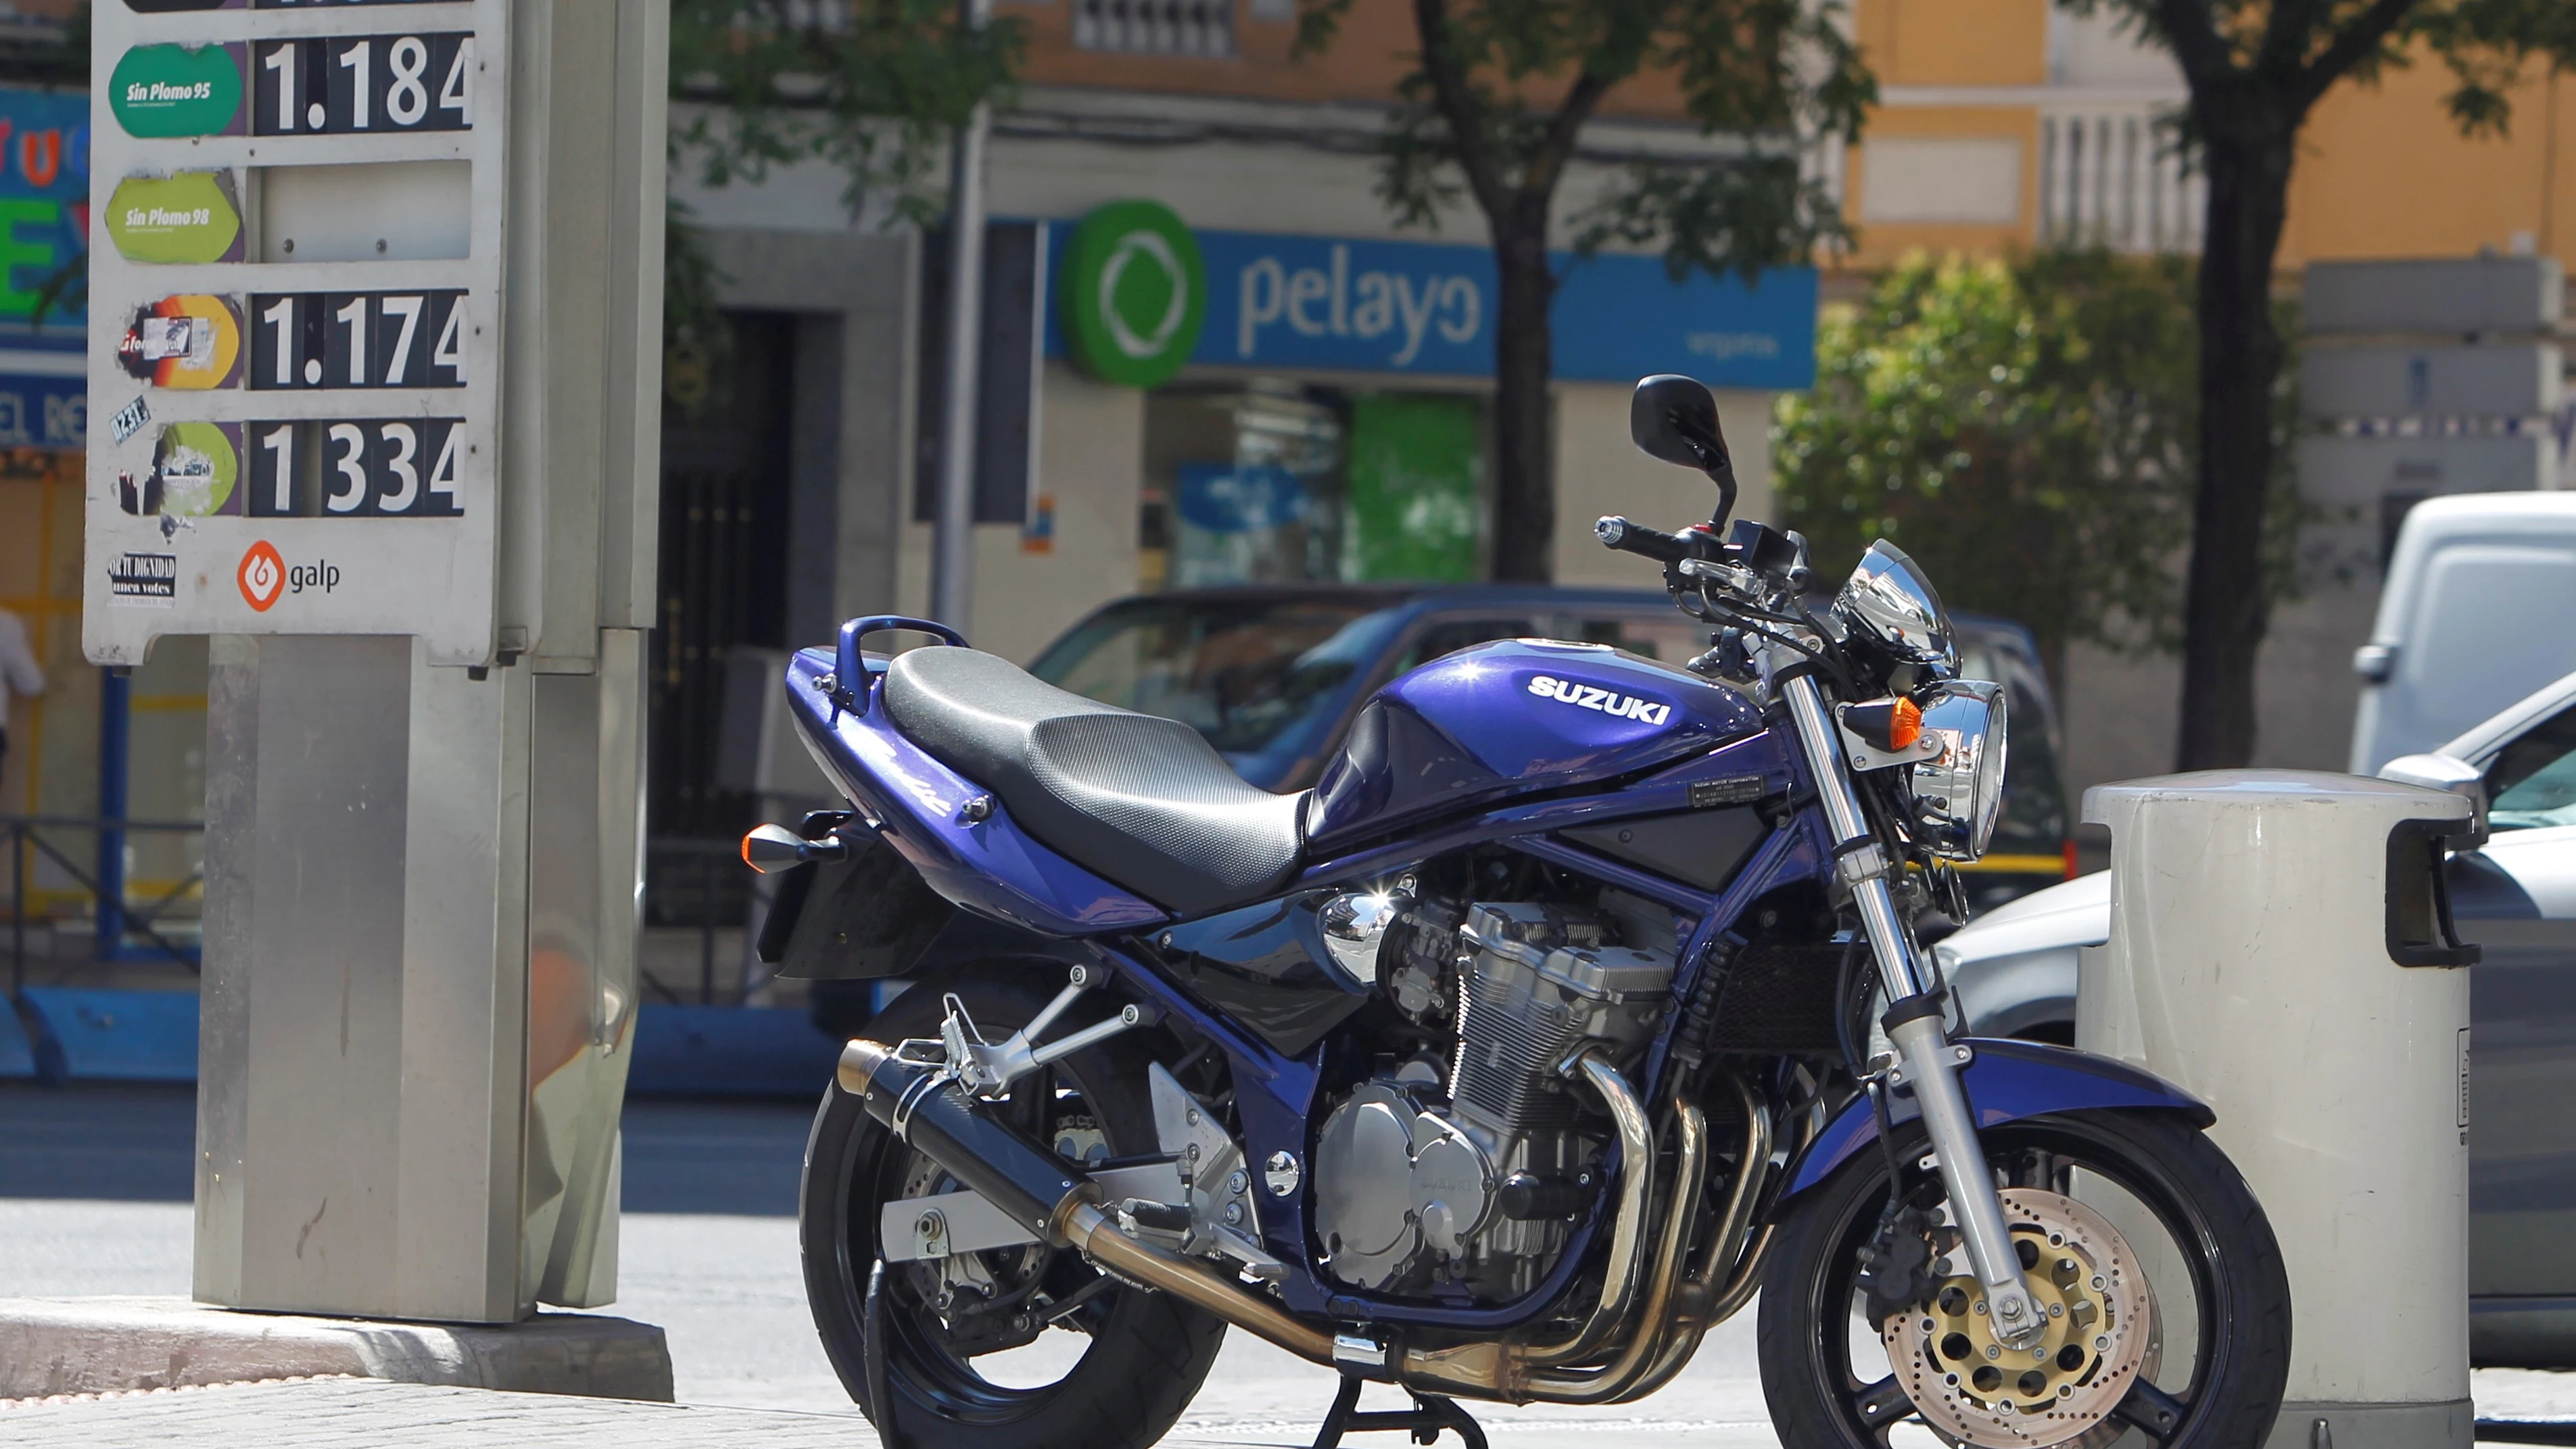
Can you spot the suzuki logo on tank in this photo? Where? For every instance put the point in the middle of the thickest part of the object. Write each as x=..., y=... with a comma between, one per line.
x=1339, y=304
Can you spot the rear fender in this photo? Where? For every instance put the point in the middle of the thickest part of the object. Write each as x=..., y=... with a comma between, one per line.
x=2006, y=1082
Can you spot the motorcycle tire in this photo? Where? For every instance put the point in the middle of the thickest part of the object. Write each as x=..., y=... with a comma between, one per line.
x=1832, y=1387
x=1148, y=1352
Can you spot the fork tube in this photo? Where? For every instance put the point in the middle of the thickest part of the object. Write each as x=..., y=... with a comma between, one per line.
x=1861, y=860
x=1921, y=1040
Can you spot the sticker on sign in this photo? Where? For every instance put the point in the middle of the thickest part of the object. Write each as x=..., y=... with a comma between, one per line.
x=143, y=580
x=129, y=419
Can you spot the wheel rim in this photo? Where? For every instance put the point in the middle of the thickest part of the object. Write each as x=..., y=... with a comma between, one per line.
x=1867, y=1394
x=921, y=1361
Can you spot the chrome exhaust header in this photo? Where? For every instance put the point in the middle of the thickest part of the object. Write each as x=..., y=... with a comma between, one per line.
x=1060, y=1203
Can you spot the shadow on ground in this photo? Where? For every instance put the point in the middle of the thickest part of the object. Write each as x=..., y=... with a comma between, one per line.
x=134, y=1143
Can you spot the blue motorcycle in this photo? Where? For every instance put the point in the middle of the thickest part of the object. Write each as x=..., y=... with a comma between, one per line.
x=1583, y=997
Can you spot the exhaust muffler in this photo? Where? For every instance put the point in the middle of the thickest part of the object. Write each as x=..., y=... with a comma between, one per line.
x=1058, y=1201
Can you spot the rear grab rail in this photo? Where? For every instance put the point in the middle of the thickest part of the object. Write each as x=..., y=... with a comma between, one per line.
x=853, y=674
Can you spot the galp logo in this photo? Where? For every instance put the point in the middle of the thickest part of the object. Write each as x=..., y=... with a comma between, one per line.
x=262, y=576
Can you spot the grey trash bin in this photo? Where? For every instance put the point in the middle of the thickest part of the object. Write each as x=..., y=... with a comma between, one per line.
x=2280, y=947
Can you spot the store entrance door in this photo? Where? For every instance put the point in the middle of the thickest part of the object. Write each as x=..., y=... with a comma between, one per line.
x=727, y=424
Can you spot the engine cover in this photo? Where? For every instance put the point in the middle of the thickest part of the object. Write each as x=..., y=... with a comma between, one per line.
x=1395, y=1185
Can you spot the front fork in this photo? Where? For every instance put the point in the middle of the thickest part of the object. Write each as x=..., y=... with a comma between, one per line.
x=1915, y=1024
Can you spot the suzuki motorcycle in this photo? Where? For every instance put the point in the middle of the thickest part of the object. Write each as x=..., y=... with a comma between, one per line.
x=1584, y=997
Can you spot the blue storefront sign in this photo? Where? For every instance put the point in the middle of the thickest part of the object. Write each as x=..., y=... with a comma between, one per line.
x=1428, y=309
x=44, y=246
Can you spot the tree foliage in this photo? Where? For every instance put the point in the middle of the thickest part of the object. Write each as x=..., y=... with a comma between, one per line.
x=2256, y=70
x=872, y=87
x=2244, y=58
x=2027, y=430
x=1493, y=111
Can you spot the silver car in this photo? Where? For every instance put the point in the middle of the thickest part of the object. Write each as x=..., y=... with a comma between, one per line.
x=2014, y=973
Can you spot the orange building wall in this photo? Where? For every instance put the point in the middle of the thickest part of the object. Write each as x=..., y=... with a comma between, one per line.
x=2385, y=172
x=1954, y=42
x=1373, y=51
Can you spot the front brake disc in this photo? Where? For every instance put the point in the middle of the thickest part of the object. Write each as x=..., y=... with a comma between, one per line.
x=2102, y=1334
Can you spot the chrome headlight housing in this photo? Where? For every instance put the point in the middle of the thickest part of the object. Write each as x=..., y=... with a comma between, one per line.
x=1889, y=599
x=1958, y=792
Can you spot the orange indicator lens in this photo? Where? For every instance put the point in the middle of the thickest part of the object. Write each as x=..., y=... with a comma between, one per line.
x=1904, y=725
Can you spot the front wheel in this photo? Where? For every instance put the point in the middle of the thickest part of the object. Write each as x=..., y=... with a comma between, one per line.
x=2169, y=1308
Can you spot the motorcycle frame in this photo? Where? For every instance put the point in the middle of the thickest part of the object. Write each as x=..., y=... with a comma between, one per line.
x=981, y=859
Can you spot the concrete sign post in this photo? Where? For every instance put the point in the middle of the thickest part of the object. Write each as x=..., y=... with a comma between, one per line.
x=374, y=363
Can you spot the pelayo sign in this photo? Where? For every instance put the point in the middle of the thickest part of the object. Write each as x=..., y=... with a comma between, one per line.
x=1355, y=305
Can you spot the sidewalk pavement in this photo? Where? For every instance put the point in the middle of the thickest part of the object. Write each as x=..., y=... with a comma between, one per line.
x=353, y=1413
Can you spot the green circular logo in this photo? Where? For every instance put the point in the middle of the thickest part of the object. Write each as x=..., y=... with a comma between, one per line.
x=1135, y=293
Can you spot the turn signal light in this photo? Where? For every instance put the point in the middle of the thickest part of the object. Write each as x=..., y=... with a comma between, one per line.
x=772, y=847
x=1889, y=725
x=1904, y=725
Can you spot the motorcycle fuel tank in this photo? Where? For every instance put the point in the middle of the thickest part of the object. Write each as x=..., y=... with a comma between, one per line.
x=1521, y=715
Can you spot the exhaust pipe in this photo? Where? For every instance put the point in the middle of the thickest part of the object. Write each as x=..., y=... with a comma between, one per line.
x=1034, y=1186
x=1057, y=1200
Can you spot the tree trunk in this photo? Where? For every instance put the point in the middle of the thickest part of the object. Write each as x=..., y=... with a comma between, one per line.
x=2240, y=362
x=1524, y=440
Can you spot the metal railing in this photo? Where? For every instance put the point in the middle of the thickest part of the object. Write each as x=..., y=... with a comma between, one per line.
x=2111, y=175
x=113, y=914
x=689, y=883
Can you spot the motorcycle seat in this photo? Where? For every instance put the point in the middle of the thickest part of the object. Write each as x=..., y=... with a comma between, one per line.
x=1142, y=801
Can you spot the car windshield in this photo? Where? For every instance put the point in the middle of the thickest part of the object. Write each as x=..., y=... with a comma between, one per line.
x=1265, y=679
x=2532, y=783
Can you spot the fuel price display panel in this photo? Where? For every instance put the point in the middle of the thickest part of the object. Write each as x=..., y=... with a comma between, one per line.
x=295, y=283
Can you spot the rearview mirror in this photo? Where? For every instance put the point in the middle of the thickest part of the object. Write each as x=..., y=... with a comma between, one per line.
x=1674, y=418
x=2441, y=772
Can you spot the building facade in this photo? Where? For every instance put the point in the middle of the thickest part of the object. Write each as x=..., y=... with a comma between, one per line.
x=2010, y=124
x=1330, y=422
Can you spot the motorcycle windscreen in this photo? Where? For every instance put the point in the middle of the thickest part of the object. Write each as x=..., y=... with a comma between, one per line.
x=861, y=919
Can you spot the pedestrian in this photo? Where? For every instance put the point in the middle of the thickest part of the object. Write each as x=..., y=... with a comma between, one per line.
x=18, y=672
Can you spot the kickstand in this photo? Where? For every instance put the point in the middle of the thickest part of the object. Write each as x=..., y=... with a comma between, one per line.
x=1429, y=1415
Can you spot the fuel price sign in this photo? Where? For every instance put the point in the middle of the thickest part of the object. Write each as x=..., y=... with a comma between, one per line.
x=295, y=284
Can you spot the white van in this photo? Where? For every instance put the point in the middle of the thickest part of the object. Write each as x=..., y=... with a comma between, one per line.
x=2479, y=610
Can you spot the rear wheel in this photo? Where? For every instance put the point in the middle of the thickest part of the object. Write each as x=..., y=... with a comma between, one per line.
x=2170, y=1318
x=1008, y=1348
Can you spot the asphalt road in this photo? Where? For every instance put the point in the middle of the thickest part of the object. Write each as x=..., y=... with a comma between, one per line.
x=94, y=1198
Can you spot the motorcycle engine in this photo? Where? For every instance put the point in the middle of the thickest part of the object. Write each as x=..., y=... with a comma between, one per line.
x=1470, y=1169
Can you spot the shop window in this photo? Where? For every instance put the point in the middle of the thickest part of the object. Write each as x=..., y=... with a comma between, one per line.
x=1278, y=482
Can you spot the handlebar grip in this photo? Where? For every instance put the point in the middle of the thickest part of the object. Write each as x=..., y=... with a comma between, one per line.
x=1617, y=532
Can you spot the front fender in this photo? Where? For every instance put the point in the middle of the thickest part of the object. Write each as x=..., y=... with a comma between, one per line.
x=2007, y=1081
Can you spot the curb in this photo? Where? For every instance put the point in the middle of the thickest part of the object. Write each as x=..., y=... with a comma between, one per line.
x=79, y=1347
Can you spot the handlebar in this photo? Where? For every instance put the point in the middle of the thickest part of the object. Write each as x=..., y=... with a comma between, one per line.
x=1617, y=532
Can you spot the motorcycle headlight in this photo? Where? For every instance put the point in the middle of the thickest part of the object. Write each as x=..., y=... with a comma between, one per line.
x=1958, y=792
x=1889, y=599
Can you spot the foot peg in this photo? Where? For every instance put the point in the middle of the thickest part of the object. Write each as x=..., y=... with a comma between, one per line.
x=1429, y=1415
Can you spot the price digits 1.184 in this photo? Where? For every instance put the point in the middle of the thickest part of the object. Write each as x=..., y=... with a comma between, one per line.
x=340, y=85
